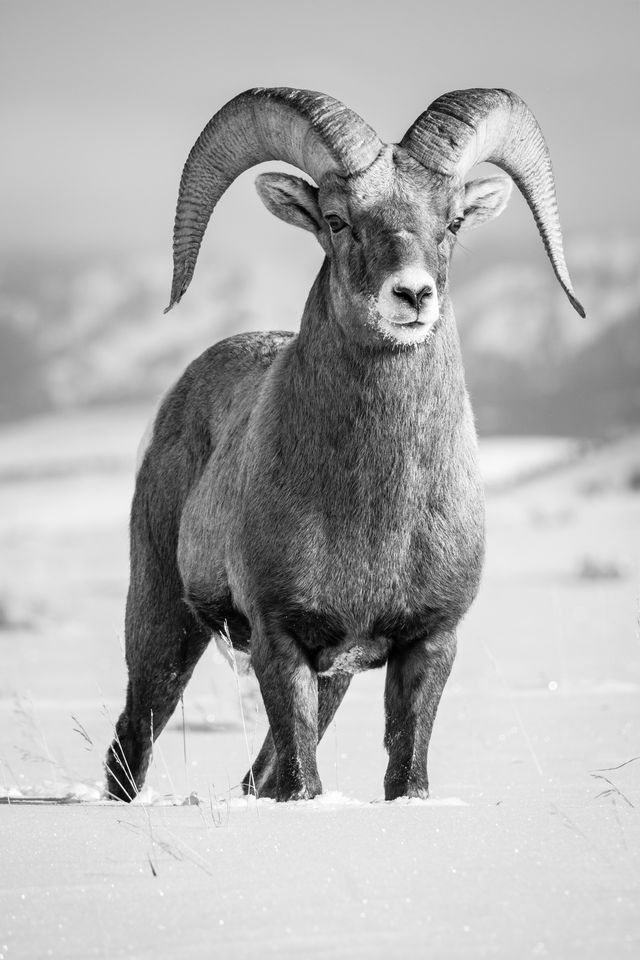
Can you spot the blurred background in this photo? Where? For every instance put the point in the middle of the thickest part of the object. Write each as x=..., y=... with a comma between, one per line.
x=100, y=105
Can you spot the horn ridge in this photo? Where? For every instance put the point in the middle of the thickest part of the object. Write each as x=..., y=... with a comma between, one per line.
x=308, y=129
x=465, y=127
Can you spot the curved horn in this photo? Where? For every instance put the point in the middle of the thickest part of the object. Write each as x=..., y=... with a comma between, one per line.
x=465, y=127
x=307, y=129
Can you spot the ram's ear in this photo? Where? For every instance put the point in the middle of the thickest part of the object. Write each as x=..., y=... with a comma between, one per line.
x=291, y=199
x=485, y=199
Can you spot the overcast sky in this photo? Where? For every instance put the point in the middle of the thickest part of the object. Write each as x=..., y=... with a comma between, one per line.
x=100, y=103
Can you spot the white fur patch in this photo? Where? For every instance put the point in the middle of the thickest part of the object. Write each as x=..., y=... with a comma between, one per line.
x=349, y=661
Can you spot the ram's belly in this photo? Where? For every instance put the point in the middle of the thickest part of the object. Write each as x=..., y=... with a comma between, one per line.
x=348, y=641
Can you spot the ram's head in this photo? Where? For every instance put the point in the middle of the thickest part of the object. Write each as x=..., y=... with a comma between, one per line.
x=386, y=216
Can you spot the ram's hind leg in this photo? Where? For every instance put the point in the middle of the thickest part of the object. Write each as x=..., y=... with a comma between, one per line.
x=164, y=641
x=262, y=779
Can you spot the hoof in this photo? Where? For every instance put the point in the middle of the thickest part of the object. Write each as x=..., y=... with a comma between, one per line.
x=118, y=788
x=395, y=790
x=125, y=771
x=305, y=791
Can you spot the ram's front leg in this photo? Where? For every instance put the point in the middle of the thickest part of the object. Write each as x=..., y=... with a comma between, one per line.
x=261, y=778
x=415, y=680
x=289, y=688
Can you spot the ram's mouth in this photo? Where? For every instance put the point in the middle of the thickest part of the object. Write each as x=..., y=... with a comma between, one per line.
x=398, y=326
x=409, y=331
x=410, y=324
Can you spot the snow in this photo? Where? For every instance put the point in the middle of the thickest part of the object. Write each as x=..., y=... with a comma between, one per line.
x=529, y=846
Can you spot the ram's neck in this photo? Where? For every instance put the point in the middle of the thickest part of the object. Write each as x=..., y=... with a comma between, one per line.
x=371, y=405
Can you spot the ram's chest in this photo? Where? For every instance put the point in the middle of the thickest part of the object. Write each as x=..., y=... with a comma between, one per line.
x=365, y=550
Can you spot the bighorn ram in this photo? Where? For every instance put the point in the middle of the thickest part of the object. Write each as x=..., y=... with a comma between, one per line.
x=319, y=493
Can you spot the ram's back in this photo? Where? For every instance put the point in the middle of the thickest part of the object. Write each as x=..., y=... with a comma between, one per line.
x=217, y=389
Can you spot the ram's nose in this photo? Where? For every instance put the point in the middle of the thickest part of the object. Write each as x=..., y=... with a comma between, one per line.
x=409, y=298
x=414, y=289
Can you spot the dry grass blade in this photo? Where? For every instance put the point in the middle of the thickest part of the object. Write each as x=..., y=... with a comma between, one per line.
x=174, y=847
x=619, y=766
x=184, y=749
x=126, y=769
x=612, y=789
x=226, y=638
x=82, y=731
x=110, y=796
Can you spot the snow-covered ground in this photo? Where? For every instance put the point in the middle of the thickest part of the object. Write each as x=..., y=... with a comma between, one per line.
x=530, y=845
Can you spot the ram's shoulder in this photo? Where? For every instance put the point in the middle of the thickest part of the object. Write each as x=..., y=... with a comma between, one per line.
x=226, y=376
x=244, y=351
x=228, y=366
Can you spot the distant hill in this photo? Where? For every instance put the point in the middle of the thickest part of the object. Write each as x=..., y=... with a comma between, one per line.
x=96, y=333
x=73, y=335
x=534, y=366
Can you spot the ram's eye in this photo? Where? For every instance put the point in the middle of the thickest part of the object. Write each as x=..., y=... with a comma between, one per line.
x=455, y=225
x=336, y=223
